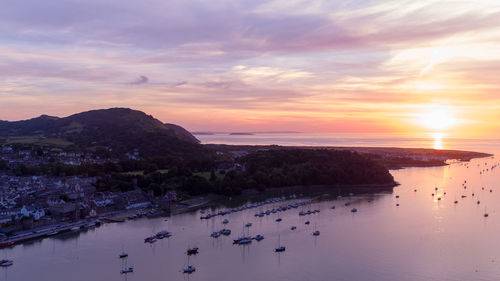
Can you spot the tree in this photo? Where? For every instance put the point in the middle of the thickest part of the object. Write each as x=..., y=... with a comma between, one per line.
x=4, y=165
x=213, y=177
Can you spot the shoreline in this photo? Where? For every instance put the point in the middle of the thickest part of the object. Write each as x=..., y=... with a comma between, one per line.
x=341, y=189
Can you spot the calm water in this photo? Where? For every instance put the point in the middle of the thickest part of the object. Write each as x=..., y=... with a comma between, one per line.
x=422, y=239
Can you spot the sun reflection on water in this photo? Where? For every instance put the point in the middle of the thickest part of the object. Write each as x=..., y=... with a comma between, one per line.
x=438, y=140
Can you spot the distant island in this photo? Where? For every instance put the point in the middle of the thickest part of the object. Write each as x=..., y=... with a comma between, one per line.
x=203, y=133
x=241, y=134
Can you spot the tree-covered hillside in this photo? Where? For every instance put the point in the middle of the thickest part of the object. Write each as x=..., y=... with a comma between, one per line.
x=313, y=167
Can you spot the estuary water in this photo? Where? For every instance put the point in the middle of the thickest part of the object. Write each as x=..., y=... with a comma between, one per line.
x=425, y=238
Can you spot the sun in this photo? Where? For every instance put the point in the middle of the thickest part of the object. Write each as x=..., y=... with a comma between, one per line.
x=437, y=118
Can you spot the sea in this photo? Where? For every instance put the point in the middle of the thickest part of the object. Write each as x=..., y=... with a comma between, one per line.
x=430, y=227
x=434, y=140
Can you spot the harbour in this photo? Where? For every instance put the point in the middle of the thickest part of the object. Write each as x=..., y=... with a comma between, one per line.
x=425, y=247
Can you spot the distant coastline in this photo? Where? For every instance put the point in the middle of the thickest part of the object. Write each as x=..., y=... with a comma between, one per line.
x=241, y=134
x=392, y=158
x=209, y=133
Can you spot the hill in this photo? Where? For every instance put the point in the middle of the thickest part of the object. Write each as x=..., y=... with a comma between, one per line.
x=182, y=133
x=116, y=130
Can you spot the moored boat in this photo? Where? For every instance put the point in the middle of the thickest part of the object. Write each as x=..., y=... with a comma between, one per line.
x=127, y=270
x=280, y=249
x=6, y=262
x=192, y=251
x=242, y=240
x=123, y=255
x=151, y=239
x=190, y=269
x=258, y=237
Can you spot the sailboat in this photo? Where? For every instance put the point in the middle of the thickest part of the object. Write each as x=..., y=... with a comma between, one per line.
x=192, y=251
x=258, y=237
x=316, y=231
x=123, y=254
x=189, y=269
x=243, y=239
x=6, y=262
x=279, y=248
x=127, y=269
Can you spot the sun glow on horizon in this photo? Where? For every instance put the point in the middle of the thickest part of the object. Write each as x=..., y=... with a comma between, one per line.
x=437, y=118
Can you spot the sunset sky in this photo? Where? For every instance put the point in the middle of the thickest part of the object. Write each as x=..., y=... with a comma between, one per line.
x=287, y=65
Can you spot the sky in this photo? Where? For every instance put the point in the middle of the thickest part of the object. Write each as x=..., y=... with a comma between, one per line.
x=378, y=67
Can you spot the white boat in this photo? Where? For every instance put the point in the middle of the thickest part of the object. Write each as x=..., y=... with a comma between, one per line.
x=190, y=269
x=127, y=270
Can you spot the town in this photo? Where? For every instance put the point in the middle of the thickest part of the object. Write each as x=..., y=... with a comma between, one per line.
x=34, y=206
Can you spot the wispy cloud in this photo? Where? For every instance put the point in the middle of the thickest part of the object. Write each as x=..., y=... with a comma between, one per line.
x=325, y=63
x=139, y=81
